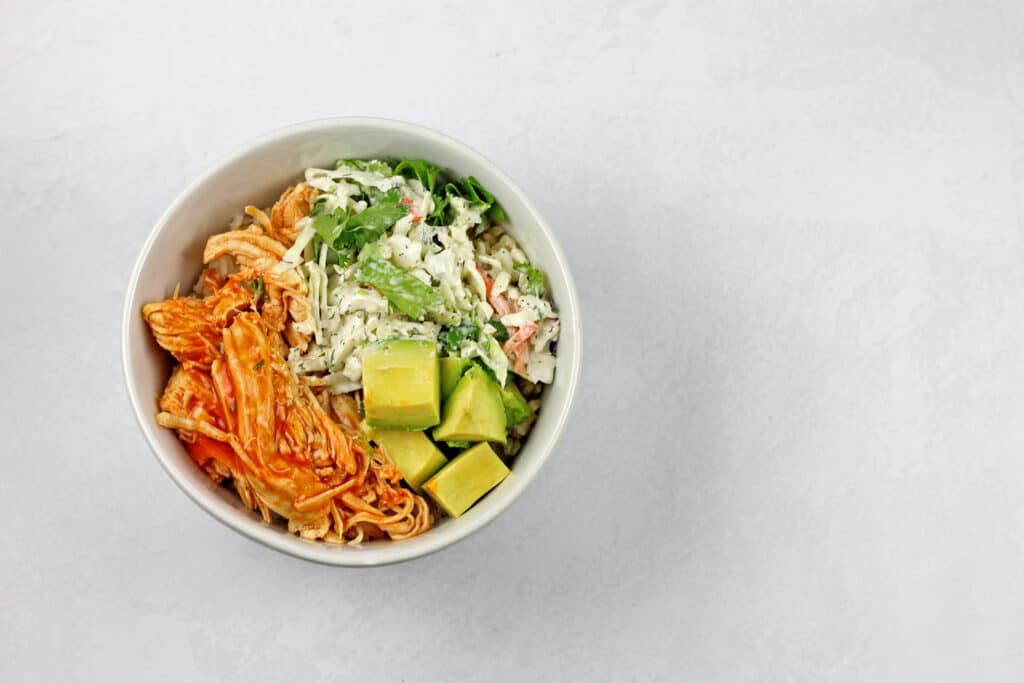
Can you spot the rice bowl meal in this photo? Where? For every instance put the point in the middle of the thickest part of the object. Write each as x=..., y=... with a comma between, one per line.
x=364, y=357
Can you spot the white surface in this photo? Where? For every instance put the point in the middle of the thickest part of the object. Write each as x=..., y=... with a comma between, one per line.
x=801, y=460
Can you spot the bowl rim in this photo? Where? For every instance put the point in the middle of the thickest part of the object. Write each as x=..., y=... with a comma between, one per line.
x=369, y=555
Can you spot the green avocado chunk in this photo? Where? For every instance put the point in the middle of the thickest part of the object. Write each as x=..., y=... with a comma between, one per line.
x=474, y=411
x=451, y=373
x=466, y=479
x=516, y=409
x=401, y=384
x=415, y=456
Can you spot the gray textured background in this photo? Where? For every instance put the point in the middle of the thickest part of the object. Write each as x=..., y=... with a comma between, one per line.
x=797, y=450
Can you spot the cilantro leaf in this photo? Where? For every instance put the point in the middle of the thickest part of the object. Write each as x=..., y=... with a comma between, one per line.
x=257, y=288
x=422, y=170
x=479, y=194
x=372, y=250
x=370, y=166
x=341, y=229
x=404, y=291
x=328, y=226
x=452, y=337
x=497, y=214
x=471, y=189
x=435, y=180
x=428, y=175
x=500, y=331
x=476, y=192
x=533, y=276
x=437, y=216
x=369, y=225
x=319, y=206
x=452, y=190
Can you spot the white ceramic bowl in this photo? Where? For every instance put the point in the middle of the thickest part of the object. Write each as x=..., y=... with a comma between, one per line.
x=256, y=173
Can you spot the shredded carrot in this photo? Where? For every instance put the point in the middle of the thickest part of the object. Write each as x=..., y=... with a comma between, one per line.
x=407, y=203
x=518, y=347
x=488, y=282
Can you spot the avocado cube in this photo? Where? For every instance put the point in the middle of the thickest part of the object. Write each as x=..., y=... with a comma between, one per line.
x=466, y=479
x=516, y=409
x=401, y=384
x=474, y=411
x=415, y=456
x=451, y=373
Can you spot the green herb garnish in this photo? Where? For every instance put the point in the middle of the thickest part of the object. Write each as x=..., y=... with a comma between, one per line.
x=371, y=166
x=422, y=170
x=472, y=191
x=437, y=216
x=343, y=229
x=441, y=185
x=452, y=337
x=480, y=195
x=500, y=331
x=404, y=291
x=256, y=285
x=533, y=276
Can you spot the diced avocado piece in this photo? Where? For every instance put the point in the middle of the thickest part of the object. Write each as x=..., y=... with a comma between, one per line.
x=474, y=411
x=516, y=409
x=401, y=384
x=415, y=456
x=451, y=373
x=466, y=479
x=458, y=444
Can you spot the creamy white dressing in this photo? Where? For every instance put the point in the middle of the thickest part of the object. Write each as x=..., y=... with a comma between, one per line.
x=347, y=315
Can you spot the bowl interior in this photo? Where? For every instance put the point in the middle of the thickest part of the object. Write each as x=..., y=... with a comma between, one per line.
x=256, y=174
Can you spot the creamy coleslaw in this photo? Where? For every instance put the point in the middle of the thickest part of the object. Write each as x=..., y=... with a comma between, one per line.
x=388, y=252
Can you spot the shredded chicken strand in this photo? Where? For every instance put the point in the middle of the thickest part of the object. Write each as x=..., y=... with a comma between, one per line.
x=244, y=416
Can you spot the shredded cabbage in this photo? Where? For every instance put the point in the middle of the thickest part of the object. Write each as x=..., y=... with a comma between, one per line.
x=422, y=277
